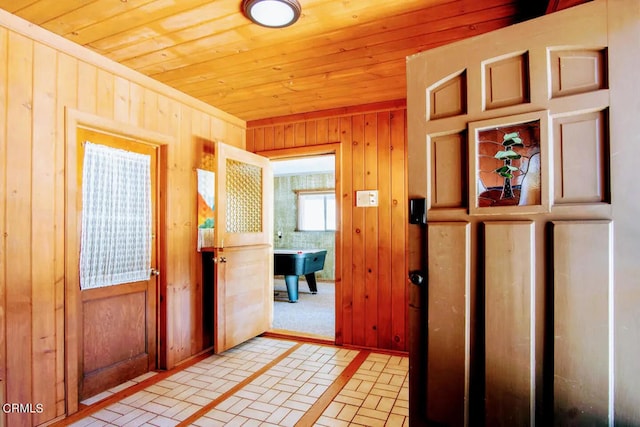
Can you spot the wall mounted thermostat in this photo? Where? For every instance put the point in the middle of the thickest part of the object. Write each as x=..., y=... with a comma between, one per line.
x=367, y=198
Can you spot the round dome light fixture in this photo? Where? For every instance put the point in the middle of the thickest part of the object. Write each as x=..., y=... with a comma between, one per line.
x=272, y=13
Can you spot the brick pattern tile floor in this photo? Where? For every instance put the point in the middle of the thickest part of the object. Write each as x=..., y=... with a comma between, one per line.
x=377, y=395
x=265, y=382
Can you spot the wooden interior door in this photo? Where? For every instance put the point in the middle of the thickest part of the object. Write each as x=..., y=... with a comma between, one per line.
x=243, y=257
x=117, y=326
x=243, y=293
x=519, y=310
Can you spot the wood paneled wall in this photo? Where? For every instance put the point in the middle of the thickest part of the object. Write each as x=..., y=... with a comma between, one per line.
x=41, y=77
x=371, y=275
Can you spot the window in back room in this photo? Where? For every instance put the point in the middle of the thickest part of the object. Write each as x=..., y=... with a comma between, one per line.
x=316, y=210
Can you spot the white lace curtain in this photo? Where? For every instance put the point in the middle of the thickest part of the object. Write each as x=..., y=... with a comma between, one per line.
x=116, y=217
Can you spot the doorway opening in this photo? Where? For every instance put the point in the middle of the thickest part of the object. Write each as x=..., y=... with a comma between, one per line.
x=305, y=225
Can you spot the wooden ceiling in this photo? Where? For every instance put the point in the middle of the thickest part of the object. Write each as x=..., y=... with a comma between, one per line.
x=339, y=54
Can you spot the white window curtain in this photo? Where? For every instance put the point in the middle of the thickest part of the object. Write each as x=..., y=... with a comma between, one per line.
x=116, y=217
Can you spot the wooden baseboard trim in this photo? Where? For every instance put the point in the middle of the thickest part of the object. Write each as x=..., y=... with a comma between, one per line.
x=297, y=337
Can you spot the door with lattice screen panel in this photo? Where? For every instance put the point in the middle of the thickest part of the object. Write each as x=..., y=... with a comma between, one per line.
x=242, y=257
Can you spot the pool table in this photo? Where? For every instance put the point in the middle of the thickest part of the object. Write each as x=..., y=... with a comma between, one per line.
x=292, y=263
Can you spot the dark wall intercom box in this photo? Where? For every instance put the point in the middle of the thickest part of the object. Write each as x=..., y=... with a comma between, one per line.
x=417, y=211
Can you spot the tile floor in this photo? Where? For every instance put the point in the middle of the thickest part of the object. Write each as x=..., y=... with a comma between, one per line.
x=263, y=382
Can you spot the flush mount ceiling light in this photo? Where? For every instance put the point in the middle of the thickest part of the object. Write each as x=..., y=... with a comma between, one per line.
x=272, y=13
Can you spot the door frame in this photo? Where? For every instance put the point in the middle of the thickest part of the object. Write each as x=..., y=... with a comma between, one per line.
x=73, y=120
x=318, y=150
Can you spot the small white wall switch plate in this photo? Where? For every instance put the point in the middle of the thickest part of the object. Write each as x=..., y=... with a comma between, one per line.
x=367, y=198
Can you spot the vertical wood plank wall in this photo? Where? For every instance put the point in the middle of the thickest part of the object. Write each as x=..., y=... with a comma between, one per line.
x=372, y=286
x=41, y=75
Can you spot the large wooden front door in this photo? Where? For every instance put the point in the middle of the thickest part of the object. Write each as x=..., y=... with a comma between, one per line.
x=527, y=311
x=117, y=324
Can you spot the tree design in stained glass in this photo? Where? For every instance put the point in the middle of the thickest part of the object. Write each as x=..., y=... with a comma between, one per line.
x=509, y=165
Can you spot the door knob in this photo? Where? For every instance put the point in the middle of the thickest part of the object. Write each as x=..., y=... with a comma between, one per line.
x=416, y=277
x=155, y=272
x=220, y=259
